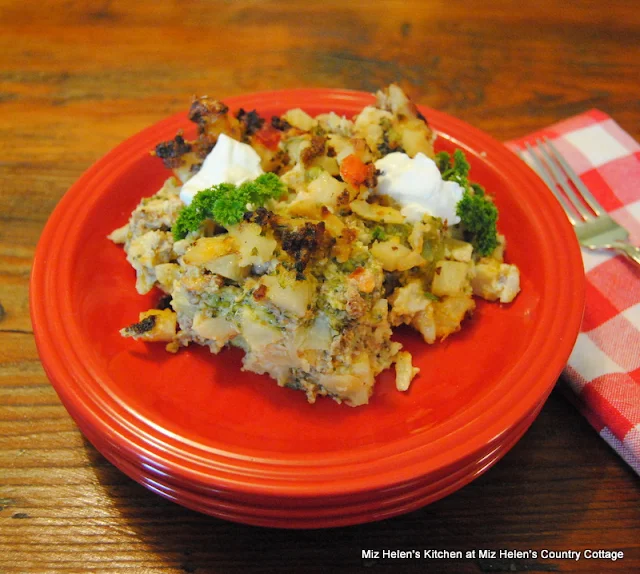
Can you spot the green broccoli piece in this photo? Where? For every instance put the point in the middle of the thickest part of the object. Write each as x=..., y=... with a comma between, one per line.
x=477, y=189
x=188, y=220
x=478, y=216
x=443, y=161
x=257, y=192
x=378, y=233
x=202, y=206
x=227, y=203
x=477, y=213
x=457, y=171
x=229, y=209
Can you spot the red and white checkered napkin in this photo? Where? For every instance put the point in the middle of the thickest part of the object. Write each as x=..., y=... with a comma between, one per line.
x=603, y=371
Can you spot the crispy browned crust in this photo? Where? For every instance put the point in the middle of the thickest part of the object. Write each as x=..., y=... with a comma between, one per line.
x=316, y=149
x=171, y=152
x=280, y=124
x=205, y=110
x=303, y=243
x=250, y=122
x=147, y=324
x=344, y=198
x=349, y=235
x=262, y=216
x=281, y=162
x=371, y=180
x=203, y=145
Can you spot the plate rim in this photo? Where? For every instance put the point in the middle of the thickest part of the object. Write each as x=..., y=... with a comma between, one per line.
x=140, y=446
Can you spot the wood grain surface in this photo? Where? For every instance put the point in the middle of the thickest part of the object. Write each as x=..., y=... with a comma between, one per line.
x=76, y=78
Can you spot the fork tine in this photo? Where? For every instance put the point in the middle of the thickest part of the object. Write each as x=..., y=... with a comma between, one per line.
x=562, y=180
x=543, y=172
x=582, y=188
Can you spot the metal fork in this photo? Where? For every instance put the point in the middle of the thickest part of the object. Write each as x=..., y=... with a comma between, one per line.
x=594, y=228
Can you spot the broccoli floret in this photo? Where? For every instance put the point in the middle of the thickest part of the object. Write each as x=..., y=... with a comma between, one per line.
x=257, y=192
x=478, y=216
x=457, y=171
x=477, y=213
x=226, y=203
x=477, y=189
x=228, y=210
x=443, y=161
x=188, y=220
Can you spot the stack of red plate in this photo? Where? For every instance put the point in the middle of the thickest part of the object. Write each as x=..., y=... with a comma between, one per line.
x=196, y=429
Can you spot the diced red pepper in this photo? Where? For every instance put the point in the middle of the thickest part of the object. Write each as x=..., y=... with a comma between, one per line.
x=355, y=172
x=268, y=136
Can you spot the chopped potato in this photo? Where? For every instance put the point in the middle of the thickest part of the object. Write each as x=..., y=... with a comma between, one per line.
x=318, y=336
x=217, y=329
x=425, y=323
x=351, y=388
x=367, y=125
x=449, y=313
x=289, y=294
x=493, y=280
x=256, y=333
x=228, y=266
x=408, y=301
x=458, y=250
x=405, y=371
x=119, y=236
x=166, y=274
x=396, y=257
x=326, y=190
x=450, y=278
x=375, y=212
x=254, y=248
x=415, y=139
x=207, y=249
x=300, y=119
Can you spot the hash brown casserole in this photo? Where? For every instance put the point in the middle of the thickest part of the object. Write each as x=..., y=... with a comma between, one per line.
x=308, y=272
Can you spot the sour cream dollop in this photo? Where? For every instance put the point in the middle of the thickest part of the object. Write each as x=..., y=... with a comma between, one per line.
x=417, y=186
x=230, y=161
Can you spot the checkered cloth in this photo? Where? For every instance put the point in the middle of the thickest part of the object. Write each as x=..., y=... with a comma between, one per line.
x=603, y=372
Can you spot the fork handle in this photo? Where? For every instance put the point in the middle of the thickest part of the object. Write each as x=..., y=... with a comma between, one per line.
x=627, y=249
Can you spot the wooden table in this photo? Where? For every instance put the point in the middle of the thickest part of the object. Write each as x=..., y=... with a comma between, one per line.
x=77, y=77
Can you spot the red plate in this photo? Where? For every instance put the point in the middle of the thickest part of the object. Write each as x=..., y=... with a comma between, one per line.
x=206, y=426
x=327, y=511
